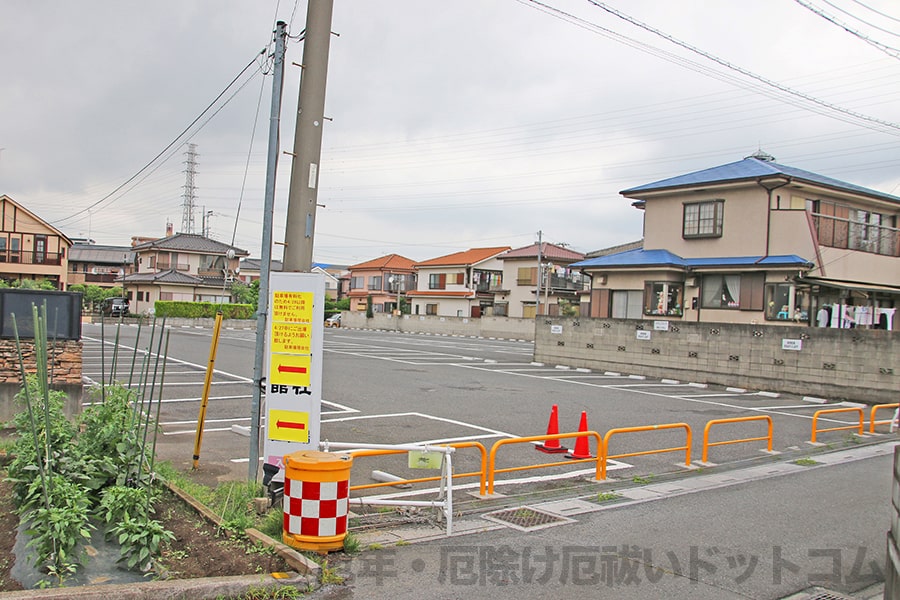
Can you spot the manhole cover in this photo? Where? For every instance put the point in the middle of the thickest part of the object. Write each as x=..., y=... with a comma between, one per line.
x=525, y=518
x=828, y=596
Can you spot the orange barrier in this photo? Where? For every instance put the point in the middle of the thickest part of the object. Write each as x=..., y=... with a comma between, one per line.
x=877, y=407
x=855, y=409
x=482, y=483
x=604, y=452
x=707, y=445
x=492, y=470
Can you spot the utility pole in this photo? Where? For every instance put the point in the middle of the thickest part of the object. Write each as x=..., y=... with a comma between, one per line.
x=303, y=195
x=266, y=254
x=537, y=293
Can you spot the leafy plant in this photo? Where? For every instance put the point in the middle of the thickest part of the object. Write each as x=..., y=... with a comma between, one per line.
x=140, y=539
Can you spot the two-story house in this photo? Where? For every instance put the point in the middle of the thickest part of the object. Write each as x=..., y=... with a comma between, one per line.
x=755, y=241
x=182, y=266
x=386, y=279
x=100, y=265
x=31, y=248
x=250, y=272
x=536, y=278
x=461, y=284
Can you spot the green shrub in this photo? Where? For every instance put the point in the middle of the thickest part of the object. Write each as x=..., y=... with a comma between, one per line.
x=202, y=310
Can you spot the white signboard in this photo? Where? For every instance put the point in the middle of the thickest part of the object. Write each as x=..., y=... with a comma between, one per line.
x=556, y=329
x=787, y=344
x=643, y=334
x=293, y=368
x=661, y=325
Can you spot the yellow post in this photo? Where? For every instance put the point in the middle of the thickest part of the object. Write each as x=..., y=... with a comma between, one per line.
x=198, y=438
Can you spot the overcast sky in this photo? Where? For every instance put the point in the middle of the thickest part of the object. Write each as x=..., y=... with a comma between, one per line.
x=455, y=124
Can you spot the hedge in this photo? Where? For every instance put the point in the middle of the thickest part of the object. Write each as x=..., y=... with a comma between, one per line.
x=202, y=310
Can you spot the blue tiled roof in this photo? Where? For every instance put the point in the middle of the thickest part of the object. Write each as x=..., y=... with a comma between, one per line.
x=751, y=169
x=655, y=258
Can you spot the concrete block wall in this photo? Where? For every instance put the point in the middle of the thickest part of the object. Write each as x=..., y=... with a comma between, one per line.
x=853, y=364
x=498, y=327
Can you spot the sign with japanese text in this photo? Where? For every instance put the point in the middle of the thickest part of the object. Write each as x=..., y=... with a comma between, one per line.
x=293, y=364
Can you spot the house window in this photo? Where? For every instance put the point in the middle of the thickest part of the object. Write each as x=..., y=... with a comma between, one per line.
x=431, y=309
x=785, y=302
x=626, y=304
x=437, y=281
x=703, y=219
x=743, y=291
x=357, y=283
x=526, y=276
x=375, y=282
x=663, y=298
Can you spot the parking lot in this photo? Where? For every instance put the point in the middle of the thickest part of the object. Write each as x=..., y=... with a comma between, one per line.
x=389, y=388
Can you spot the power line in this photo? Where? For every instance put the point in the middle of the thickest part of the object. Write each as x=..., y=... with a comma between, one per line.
x=164, y=150
x=889, y=50
x=867, y=121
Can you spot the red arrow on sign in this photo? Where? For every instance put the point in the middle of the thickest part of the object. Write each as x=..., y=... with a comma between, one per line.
x=289, y=425
x=287, y=369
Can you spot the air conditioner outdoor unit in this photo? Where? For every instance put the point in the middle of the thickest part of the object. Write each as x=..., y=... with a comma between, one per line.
x=690, y=281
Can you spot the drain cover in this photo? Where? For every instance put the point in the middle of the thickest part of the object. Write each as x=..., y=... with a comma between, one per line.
x=525, y=518
x=828, y=596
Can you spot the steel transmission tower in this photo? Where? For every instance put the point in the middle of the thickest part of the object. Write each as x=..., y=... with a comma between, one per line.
x=188, y=198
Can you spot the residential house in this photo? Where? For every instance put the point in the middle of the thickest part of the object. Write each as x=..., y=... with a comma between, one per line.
x=461, y=284
x=103, y=266
x=182, y=266
x=755, y=241
x=385, y=279
x=31, y=248
x=525, y=292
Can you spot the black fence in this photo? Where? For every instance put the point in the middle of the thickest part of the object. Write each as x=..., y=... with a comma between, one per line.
x=63, y=313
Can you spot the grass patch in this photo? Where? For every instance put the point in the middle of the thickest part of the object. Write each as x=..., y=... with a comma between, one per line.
x=805, y=462
x=642, y=479
x=607, y=497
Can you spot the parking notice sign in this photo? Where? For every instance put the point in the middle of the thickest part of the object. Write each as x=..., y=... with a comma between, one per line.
x=293, y=364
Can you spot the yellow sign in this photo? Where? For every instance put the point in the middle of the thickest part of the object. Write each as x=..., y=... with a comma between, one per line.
x=423, y=459
x=285, y=369
x=292, y=307
x=291, y=338
x=288, y=426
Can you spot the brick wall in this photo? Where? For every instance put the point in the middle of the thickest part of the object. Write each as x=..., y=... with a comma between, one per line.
x=853, y=364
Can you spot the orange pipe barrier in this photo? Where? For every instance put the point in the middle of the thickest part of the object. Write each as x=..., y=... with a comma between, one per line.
x=605, y=450
x=855, y=409
x=707, y=445
x=482, y=483
x=492, y=470
x=877, y=407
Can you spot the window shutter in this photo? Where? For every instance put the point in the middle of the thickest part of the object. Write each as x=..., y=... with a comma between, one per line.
x=753, y=291
x=442, y=281
x=600, y=304
x=460, y=278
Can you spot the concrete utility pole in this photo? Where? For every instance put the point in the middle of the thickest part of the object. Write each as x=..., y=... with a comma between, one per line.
x=303, y=196
x=537, y=292
x=266, y=257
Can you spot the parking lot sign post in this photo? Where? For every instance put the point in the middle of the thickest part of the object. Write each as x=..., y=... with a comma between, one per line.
x=293, y=364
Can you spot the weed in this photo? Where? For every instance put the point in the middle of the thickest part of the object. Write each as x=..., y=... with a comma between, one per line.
x=330, y=575
x=402, y=543
x=642, y=480
x=805, y=462
x=375, y=546
x=351, y=544
x=607, y=496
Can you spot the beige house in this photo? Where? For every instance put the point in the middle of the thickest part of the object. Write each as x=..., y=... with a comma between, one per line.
x=385, y=279
x=31, y=248
x=95, y=264
x=461, y=284
x=755, y=241
x=522, y=296
x=181, y=266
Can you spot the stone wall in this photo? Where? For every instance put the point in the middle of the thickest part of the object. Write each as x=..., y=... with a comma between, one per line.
x=489, y=327
x=854, y=364
x=64, y=357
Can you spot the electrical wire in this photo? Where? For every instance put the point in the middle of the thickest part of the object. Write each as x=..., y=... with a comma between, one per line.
x=163, y=151
x=860, y=19
x=889, y=50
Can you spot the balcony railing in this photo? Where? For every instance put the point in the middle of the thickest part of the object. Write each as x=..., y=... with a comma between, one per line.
x=164, y=266
x=30, y=257
x=836, y=232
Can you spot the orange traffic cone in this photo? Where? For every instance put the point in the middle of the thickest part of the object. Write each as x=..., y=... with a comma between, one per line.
x=582, y=444
x=552, y=446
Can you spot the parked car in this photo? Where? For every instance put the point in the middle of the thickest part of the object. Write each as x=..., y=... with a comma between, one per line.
x=114, y=307
x=333, y=321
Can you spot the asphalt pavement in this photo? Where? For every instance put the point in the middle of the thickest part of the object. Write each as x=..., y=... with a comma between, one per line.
x=770, y=531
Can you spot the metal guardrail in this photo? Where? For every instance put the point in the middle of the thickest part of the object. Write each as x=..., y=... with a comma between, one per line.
x=873, y=423
x=707, y=445
x=492, y=470
x=612, y=432
x=854, y=409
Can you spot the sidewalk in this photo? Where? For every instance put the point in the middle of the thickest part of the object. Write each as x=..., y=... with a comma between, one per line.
x=773, y=531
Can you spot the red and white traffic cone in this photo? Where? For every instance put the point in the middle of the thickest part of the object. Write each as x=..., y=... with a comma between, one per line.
x=552, y=446
x=582, y=444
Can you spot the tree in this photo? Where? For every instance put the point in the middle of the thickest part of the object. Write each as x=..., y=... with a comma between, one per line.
x=369, y=311
x=246, y=294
